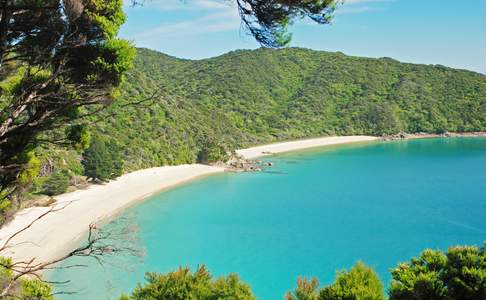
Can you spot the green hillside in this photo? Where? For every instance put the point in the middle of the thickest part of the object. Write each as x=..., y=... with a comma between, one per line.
x=204, y=108
x=249, y=97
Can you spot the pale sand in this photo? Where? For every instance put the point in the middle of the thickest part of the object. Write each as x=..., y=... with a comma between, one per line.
x=270, y=149
x=61, y=231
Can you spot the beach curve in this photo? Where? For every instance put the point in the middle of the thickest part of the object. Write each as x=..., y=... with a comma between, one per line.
x=59, y=232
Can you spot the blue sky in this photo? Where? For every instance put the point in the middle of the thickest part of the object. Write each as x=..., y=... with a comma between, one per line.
x=447, y=32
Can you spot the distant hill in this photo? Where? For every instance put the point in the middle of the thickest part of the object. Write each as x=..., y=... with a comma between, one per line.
x=260, y=96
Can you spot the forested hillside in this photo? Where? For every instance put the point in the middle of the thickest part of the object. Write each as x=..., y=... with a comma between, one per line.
x=249, y=97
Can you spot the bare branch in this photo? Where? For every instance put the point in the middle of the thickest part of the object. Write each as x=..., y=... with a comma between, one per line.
x=99, y=243
x=51, y=210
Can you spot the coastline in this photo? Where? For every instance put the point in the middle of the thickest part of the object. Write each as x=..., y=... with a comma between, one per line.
x=277, y=148
x=423, y=135
x=61, y=231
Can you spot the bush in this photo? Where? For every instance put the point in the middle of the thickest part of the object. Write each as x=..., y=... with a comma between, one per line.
x=212, y=151
x=360, y=283
x=56, y=184
x=460, y=273
x=103, y=159
x=183, y=284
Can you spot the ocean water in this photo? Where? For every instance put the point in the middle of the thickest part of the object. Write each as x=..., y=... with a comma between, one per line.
x=312, y=213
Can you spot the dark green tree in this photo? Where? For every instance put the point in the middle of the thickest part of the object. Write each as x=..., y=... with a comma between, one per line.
x=184, y=284
x=103, y=160
x=212, y=151
x=56, y=184
x=460, y=273
x=60, y=60
x=268, y=21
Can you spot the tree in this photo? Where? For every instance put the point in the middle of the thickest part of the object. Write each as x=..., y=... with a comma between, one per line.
x=56, y=184
x=184, y=284
x=60, y=61
x=460, y=273
x=360, y=283
x=103, y=160
x=268, y=21
x=306, y=290
x=212, y=151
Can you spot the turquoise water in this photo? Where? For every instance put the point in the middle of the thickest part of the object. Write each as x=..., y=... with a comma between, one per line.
x=311, y=214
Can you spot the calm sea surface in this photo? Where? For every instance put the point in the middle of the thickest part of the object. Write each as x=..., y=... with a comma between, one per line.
x=311, y=214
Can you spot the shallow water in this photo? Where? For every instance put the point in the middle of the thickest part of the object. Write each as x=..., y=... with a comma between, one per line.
x=311, y=214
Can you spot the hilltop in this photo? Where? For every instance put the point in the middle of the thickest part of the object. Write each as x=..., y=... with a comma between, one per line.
x=248, y=97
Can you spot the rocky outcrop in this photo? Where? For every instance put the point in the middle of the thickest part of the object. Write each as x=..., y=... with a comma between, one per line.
x=238, y=163
x=423, y=135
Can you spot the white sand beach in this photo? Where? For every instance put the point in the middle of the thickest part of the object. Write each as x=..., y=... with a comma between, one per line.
x=270, y=149
x=60, y=232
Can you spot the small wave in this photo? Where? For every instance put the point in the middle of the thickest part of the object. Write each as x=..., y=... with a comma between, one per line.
x=275, y=172
x=466, y=226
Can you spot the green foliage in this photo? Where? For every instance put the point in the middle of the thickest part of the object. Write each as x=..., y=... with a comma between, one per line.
x=212, y=151
x=103, y=159
x=79, y=135
x=460, y=273
x=186, y=285
x=23, y=289
x=360, y=283
x=61, y=62
x=245, y=98
x=35, y=289
x=268, y=21
x=56, y=184
x=306, y=290
x=31, y=169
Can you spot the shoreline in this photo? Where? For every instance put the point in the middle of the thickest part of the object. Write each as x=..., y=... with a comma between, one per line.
x=278, y=148
x=423, y=135
x=61, y=231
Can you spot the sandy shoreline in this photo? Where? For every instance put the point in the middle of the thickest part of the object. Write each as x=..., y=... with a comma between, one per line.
x=265, y=150
x=60, y=231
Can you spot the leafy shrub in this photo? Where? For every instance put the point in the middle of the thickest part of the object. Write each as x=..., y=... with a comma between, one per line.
x=460, y=273
x=360, y=283
x=103, y=159
x=56, y=184
x=212, y=151
x=183, y=284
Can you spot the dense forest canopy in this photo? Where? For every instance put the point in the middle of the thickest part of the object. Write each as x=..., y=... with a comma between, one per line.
x=173, y=111
x=249, y=97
